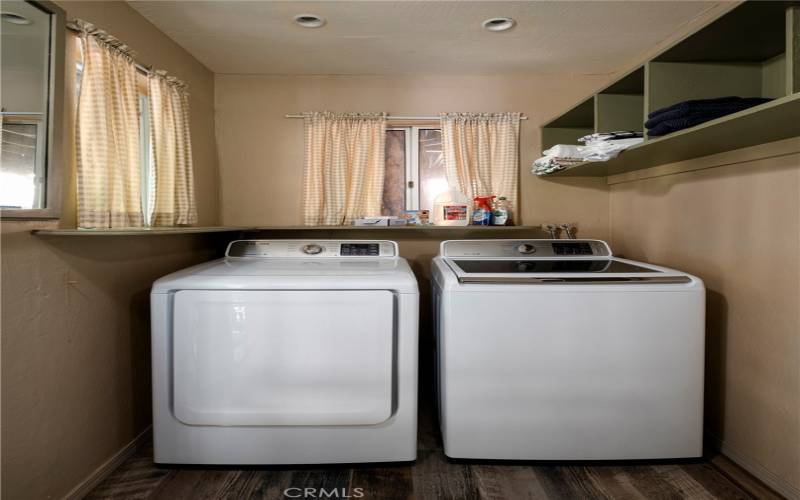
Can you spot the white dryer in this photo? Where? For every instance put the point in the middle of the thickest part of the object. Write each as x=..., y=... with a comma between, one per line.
x=557, y=350
x=287, y=352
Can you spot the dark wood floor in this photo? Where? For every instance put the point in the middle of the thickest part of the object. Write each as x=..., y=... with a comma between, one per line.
x=432, y=477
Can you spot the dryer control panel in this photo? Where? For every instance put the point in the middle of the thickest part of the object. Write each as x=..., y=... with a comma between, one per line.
x=311, y=248
x=529, y=249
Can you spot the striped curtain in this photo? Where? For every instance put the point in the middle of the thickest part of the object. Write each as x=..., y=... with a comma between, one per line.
x=107, y=133
x=172, y=187
x=481, y=153
x=344, y=167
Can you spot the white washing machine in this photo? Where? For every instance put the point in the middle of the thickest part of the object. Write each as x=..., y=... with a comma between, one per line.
x=287, y=352
x=557, y=350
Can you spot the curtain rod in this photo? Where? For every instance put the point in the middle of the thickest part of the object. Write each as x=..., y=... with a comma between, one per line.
x=399, y=117
x=139, y=66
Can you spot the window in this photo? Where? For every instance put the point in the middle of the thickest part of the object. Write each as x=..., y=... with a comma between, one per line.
x=415, y=173
x=22, y=157
x=31, y=77
x=146, y=158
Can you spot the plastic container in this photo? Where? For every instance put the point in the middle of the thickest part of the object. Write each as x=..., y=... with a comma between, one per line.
x=451, y=208
x=482, y=211
x=500, y=212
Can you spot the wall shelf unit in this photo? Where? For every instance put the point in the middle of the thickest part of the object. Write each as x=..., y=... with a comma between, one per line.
x=751, y=51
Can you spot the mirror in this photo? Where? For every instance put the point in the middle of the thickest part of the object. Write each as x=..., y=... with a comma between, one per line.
x=31, y=75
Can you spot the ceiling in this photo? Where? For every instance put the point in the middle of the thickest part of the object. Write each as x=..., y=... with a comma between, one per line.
x=417, y=37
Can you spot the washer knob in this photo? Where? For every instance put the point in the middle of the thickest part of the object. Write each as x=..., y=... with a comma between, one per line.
x=312, y=249
x=526, y=248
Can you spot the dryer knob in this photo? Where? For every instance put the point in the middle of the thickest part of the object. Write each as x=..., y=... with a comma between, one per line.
x=526, y=248
x=312, y=249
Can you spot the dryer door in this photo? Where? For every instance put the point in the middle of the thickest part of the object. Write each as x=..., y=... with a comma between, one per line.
x=283, y=357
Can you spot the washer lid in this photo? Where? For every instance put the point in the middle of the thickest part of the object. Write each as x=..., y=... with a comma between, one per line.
x=548, y=262
x=522, y=248
x=561, y=267
x=551, y=271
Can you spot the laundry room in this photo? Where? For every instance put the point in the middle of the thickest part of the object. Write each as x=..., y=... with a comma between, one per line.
x=419, y=249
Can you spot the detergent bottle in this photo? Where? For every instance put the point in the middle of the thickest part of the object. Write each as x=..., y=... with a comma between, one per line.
x=482, y=213
x=500, y=212
x=451, y=208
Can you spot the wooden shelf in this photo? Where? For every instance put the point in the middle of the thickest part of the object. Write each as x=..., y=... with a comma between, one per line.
x=772, y=121
x=163, y=231
x=137, y=231
x=400, y=233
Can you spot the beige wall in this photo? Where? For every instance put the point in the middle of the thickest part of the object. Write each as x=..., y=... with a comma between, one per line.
x=261, y=152
x=76, y=350
x=75, y=335
x=735, y=222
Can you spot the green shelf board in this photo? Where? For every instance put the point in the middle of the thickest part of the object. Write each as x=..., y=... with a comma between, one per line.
x=768, y=122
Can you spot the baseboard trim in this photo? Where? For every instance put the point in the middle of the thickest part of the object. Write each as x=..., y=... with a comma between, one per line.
x=109, y=466
x=757, y=470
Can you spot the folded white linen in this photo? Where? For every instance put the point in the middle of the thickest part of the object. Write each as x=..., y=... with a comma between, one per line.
x=600, y=151
x=564, y=151
x=561, y=156
x=606, y=150
x=549, y=164
x=609, y=136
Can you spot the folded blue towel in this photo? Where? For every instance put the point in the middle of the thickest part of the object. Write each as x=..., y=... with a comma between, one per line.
x=690, y=113
x=695, y=105
x=668, y=126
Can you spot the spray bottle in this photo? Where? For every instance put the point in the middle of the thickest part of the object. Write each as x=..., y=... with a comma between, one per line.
x=482, y=213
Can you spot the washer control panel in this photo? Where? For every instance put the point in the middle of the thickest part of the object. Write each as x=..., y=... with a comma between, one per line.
x=311, y=248
x=362, y=249
x=570, y=248
x=533, y=249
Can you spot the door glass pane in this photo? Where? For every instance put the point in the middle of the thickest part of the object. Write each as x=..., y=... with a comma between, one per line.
x=432, y=179
x=24, y=82
x=394, y=181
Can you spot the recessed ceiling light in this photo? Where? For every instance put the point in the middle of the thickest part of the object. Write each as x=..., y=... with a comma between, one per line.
x=499, y=24
x=309, y=20
x=14, y=18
